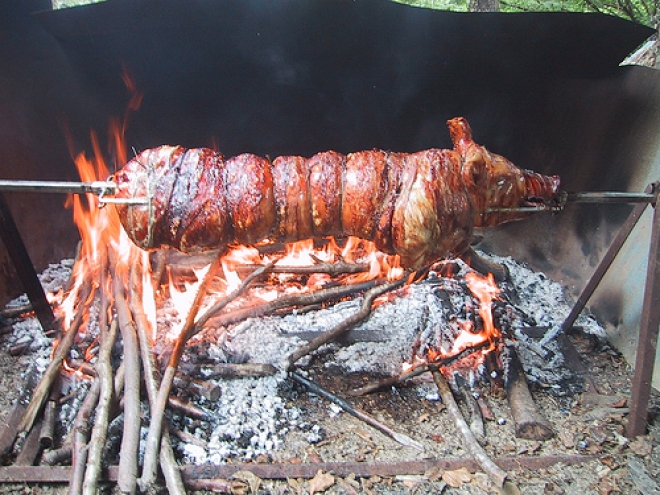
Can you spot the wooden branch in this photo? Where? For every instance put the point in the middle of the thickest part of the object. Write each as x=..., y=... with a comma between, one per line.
x=128, y=458
x=484, y=266
x=336, y=268
x=346, y=406
x=239, y=370
x=529, y=421
x=348, y=323
x=42, y=390
x=101, y=419
x=168, y=463
x=219, y=305
x=490, y=468
x=292, y=300
x=389, y=381
x=476, y=419
x=80, y=432
x=149, y=468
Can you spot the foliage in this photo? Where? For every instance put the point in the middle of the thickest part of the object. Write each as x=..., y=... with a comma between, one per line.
x=642, y=11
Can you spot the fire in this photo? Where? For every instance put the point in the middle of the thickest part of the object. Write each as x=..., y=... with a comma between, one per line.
x=485, y=291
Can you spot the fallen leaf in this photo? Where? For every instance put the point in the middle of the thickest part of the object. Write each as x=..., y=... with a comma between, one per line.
x=457, y=478
x=321, y=482
x=423, y=417
x=641, y=446
x=253, y=481
x=433, y=473
x=620, y=403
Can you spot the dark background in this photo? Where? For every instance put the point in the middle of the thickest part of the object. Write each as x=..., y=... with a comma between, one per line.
x=301, y=76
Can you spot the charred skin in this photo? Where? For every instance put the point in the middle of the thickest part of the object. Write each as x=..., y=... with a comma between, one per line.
x=422, y=206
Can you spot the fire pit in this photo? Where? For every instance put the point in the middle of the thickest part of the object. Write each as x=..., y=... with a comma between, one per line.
x=230, y=343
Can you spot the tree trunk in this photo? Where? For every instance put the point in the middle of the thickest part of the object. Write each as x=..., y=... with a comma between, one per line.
x=484, y=5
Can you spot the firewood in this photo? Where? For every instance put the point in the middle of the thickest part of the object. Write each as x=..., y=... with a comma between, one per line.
x=128, y=459
x=153, y=441
x=52, y=371
x=31, y=448
x=102, y=413
x=239, y=370
x=476, y=419
x=333, y=333
x=490, y=468
x=529, y=422
x=79, y=435
x=484, y=266
x=168, y=463
x=201, y=388
x=333, y=269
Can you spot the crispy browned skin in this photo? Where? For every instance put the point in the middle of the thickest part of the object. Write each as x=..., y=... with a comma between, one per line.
x=421, y=206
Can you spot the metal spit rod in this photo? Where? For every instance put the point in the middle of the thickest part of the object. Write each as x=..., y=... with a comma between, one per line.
x=103, y=189
x=599, y=197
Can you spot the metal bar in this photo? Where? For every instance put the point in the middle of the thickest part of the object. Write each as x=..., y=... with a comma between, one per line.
x=24, y=268
x=647, y=341
x=610, y=197
x=598, y=197
x=97, y=187
x=606, y=261
x=61, y=474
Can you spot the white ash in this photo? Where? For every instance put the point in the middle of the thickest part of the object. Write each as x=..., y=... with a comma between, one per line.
x=252, y=418
x=542, y=298
x=545, y=301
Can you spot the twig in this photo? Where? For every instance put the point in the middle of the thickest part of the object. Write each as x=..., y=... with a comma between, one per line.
x=390, y=381
x=476, y=419
x=344, y=326
x=100, y=430
x=42, y=390
x=49, y=416
x=168, y=463
x=80, y=432
x=245, y=284
x=149, y=467
x=493, y=470
x=238, y=370
x=346, y=406
x=337, y=268
x=128, y=458
x=293, y=300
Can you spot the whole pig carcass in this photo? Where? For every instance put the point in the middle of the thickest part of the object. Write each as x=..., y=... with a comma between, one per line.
x=422, y=206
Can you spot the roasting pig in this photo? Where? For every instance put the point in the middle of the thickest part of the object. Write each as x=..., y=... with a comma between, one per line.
x=422, y=206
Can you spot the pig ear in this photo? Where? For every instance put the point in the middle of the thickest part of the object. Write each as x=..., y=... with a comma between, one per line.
x=460, y=132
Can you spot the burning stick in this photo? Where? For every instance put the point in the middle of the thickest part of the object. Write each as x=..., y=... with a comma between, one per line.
x=128, y=463
x=333, y=333
x=493, y=470
x=42, y=390
x=167, y=461
x=100, y=430
x=158, y=411
x=333, y=269
x=371, y=421
x=258, y=272
x=529, y=421
x=80, y=432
